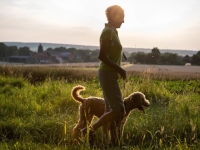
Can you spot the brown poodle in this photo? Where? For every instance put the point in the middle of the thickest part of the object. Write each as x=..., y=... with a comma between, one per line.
x=95, y=106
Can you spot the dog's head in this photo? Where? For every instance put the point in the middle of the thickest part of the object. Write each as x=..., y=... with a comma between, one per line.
x=139, y=101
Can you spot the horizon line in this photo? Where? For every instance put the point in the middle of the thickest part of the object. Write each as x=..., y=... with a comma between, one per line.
x=98, y=46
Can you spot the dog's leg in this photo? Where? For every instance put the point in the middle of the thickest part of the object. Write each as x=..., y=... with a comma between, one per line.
x=115, y=131
x=123, y=122
x=105, y=140
x=86, y=135
x=82, y=123
x=118, y=132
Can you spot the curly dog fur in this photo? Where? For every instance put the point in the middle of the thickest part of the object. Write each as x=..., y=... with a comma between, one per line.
x=95, y=106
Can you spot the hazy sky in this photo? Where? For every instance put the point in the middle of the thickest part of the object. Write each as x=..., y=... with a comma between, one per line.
x=166, y=24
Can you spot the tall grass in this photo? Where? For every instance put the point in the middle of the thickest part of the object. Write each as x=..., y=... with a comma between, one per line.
x=41, y=115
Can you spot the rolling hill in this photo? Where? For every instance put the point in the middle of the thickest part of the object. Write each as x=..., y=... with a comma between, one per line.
x=33, y=46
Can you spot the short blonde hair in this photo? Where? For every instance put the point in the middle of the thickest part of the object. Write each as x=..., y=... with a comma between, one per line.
x=114, y=9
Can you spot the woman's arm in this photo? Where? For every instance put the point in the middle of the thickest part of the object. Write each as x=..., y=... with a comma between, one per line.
x=105, y=44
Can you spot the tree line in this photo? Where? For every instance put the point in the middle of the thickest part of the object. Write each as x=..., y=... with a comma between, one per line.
x=79, y=55
x=6, y=51
x=154, y=57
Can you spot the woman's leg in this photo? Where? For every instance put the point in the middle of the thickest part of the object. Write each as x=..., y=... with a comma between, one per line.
x=113, y=99
x=106, y=118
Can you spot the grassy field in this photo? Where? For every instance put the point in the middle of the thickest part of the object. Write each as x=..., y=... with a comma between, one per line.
x=37, y=111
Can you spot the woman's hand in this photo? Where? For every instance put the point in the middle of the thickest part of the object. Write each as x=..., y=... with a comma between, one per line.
x=122, y=72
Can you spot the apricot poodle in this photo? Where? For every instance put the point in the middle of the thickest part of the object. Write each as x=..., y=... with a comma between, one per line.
x=95, y=106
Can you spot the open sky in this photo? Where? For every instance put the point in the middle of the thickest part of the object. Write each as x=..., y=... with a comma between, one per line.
x=166, y=24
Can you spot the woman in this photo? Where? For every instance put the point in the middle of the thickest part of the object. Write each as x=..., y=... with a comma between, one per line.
x=110, y=56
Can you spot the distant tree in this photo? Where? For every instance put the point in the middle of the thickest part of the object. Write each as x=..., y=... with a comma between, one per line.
x=154, y=57
x=169, y=58
x=140, y=57
x=172, y=58
x=40, y=48
x=3, y=49
x=94, y=55
x=87, y=58
x=151, y=59
x=164, y=59
x=11, y=51
x=186, y=59
x=72, y=50
x=24, y=51
x=195, y=60
x=131, y=58
x=49, y=49
x=83, y=53
x=155, y=51
x=60, y=49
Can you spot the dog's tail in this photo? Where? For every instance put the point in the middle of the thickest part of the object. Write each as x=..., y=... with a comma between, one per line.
x=75, y=93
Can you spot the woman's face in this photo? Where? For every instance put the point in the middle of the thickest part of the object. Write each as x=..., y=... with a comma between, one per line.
x=117, y=19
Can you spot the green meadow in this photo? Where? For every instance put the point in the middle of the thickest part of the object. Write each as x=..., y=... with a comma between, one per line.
x=38, y=112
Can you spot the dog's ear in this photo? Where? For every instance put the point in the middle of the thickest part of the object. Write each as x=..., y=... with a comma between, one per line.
x=141, y=109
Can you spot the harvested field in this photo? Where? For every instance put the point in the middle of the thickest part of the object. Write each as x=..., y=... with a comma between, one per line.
x=182, y=72
x=163, y=68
